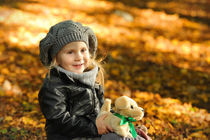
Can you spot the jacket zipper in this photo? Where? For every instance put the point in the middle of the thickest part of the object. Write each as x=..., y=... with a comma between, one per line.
x=93, y=98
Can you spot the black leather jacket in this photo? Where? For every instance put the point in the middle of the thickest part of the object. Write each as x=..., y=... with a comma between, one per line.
x=70, y=107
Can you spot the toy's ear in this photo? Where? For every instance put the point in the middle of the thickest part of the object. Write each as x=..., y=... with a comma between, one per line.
x=121, y=103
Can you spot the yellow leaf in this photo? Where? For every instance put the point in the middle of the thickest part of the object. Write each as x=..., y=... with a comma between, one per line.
x=151, y=130
x=114, y=54
x=208, y=59
x=1, y=78
x=115, y=72
x=5, y=71
x=186, y=49
x=27, y=120
x=198, y=134
x=175, y=42
x=8, y=118
x=2, y=48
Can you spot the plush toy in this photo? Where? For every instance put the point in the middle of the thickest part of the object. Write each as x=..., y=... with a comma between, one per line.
x=126, y=111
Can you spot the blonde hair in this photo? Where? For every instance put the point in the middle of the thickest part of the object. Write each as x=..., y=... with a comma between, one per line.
x=93, y=62
x=101, y=72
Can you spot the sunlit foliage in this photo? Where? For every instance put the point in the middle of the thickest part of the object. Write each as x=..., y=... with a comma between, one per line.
x=156, y=51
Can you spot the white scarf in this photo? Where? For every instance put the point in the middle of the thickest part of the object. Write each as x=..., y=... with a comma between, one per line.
x=88, y=77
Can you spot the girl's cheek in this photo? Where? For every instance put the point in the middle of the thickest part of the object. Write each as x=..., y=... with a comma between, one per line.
x=89, y=56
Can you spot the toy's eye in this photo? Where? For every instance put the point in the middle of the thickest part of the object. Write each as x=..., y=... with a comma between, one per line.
x=131, y=107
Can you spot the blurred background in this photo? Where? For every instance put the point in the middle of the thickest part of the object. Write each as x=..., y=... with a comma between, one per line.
x=155, y=51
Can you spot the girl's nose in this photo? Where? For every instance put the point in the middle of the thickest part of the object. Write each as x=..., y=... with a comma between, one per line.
x=78, y=56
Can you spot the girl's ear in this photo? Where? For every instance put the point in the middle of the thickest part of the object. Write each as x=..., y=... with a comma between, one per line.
x=121, y=103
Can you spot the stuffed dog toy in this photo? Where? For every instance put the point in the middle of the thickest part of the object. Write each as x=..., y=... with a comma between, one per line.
x=126, y=111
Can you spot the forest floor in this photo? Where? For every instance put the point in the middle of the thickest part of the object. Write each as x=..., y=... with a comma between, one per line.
x=155, y=51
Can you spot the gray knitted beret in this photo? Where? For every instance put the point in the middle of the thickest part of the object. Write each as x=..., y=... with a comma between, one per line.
x=63, y=33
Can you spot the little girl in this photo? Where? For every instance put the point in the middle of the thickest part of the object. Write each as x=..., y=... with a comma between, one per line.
x=72, y=94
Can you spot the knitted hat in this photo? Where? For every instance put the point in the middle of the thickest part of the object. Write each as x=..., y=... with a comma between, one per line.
x=63, y=33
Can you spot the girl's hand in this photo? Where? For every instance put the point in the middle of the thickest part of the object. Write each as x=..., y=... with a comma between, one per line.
x=101, y=126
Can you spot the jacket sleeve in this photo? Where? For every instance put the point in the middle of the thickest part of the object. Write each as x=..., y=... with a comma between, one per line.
x=54, y=107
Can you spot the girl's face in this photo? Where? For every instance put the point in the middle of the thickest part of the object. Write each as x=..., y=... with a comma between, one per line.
x=74, y=57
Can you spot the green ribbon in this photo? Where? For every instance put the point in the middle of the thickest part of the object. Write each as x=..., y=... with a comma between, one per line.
x=128, y=120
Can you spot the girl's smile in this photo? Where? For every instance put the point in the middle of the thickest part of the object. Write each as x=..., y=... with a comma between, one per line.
x=78, y=66
x=74, y=57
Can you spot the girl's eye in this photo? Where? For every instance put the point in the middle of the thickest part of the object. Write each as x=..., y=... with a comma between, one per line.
x=70, y=52
x=83, y=50
x=131, y=107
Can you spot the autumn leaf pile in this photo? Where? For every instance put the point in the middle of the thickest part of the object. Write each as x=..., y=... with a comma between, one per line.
x=156, y=52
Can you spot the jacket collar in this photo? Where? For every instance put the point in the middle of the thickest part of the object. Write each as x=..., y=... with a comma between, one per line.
x=87, y=78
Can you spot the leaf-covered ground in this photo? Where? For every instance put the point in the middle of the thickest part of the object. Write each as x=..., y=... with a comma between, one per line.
x=157, y=52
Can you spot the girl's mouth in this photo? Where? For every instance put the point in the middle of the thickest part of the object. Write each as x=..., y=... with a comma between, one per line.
x=78, y=65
